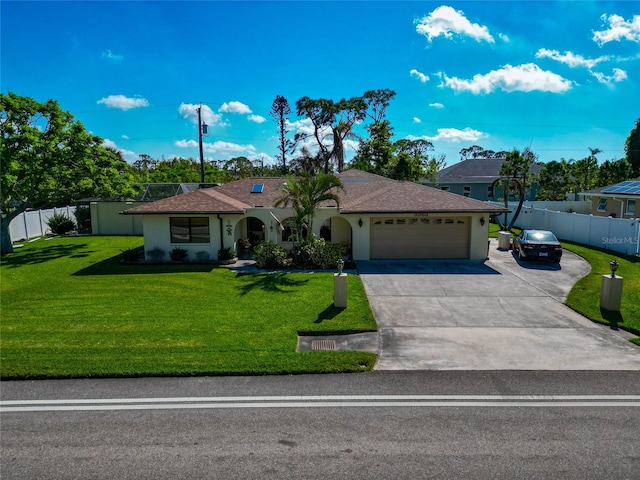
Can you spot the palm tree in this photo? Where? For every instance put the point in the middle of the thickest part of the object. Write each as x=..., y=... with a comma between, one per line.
x=304, y=194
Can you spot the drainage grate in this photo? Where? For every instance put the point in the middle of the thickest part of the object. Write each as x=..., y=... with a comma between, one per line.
x=323, y=345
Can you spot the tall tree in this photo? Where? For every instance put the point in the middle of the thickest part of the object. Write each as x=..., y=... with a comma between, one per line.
x=585, y=173
x=412, y=161
x=614, y=171
x=376, y=153
x=514, y=179
x=239, y=167
x=306, y=193
x=632, y=148
x=279, y=111
x=47, y=158
x=332, y=124
x=554, y=181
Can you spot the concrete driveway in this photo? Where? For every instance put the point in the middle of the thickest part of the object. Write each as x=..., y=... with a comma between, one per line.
x=499, y=315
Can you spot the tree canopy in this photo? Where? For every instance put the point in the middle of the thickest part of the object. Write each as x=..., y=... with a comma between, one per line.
x=632, y=148
x=304, y=194
x=47, y=158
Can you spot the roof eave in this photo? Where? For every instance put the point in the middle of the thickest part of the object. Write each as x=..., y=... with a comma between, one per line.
x=181, y=212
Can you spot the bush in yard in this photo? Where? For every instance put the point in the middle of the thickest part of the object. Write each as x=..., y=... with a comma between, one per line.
x=226, y=253
x=270, y=255
x=60, y=224
x=178, y=254
x=318, y=253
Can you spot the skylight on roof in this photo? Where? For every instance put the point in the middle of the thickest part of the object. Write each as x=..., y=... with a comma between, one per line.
x=257, y=188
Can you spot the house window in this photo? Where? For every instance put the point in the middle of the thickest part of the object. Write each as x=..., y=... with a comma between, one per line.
x=602, y=205
x=489, y=192
x=631, y=207
x=445, y=188
x=189, y=229
x=466, y=190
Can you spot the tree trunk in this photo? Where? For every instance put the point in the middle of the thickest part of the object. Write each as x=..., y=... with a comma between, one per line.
x=6, y=245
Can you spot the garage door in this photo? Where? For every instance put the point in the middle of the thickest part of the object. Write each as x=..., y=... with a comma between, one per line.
x=420, y=237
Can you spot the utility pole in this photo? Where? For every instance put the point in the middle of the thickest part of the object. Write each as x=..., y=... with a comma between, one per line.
x=200, y=144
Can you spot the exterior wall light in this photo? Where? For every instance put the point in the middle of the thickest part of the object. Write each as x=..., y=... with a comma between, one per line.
x=360, y=223
x=482, y=221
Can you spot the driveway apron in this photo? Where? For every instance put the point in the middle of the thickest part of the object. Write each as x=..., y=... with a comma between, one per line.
x=499, y=315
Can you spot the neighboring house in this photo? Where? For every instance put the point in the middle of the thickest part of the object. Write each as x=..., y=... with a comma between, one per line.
x=378, y=218
x=619, y=200
x=472, y=178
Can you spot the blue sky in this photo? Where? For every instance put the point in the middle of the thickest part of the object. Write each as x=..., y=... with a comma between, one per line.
x=559, y=76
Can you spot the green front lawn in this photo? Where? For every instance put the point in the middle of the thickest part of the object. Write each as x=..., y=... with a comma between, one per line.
x=585, y=295
x=70, y=309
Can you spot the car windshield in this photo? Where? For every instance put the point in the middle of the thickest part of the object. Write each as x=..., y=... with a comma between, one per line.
x=541, y=237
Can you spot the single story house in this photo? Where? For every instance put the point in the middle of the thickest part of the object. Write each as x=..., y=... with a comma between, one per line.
x=378, y=218
x=619, y=200
x=473, y=177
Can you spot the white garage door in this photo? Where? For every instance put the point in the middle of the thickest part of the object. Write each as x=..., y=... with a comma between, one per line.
x=420, y=237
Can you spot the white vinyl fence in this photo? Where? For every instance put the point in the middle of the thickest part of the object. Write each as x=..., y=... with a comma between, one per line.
x=34, y=222
x=618, y=234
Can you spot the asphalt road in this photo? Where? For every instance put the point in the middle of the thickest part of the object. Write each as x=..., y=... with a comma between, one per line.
x=429, y=424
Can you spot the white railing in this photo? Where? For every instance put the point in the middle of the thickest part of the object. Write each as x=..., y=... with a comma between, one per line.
x=33, y=223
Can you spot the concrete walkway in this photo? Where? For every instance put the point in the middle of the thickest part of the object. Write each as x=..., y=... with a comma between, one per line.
x=499, y=315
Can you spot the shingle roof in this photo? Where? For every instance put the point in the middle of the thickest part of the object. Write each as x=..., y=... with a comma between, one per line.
x=363, y=193
x=476, y=170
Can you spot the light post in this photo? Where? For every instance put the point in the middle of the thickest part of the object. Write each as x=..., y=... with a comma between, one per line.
x=611, y=291
x=340, y=286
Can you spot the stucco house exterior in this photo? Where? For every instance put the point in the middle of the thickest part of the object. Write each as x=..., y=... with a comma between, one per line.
x=619, y=200
x=473, y=177
x=378, y=218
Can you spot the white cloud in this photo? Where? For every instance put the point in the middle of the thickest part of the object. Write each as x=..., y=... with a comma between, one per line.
x=128, y=155
x=225, y=148
x=453, y=135
x=124, y=137
x=235, y=107
x=618, y=76
x=436, y=105
x=446, y=21
x=124, y=103
x=504, y=38
x=190, y=112
x=416, y=120
x=186, y=143
x=419, y=75
x=569, y=58
x=257, y=118
x=619, y=29
x=219, y=147
x=304, y=126
x=523, y=78
x=114, y=57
